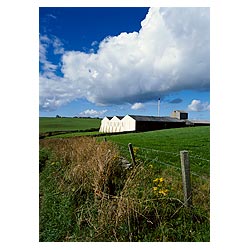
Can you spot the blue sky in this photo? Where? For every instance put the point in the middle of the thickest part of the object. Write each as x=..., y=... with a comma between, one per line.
x=117, y=61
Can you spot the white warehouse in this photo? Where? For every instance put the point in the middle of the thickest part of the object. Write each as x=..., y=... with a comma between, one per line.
x=118, y=124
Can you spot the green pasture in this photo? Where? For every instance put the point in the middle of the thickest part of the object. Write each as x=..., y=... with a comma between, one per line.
x=155, y=146
x=49, y=124
x=165, y=146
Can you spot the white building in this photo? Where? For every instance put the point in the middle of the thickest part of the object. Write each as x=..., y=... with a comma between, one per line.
x=105, y=125
x=180, y=114
x=118, y=124
x=128, y=123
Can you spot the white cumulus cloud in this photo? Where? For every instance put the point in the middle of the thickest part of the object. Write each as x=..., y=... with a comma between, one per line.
x=198, y=106
x=93, y=113
x=137, y=105
x=171, y=52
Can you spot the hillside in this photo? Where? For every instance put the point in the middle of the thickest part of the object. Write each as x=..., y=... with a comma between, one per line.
x=54, y=126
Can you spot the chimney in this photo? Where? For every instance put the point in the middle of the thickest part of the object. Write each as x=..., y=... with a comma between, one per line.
x=159, y=101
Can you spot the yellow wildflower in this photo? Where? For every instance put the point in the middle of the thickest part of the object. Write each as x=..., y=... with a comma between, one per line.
x=163, y=191
x=155, y=180
x=158, y=180
x=135, y=149
x=155, y=188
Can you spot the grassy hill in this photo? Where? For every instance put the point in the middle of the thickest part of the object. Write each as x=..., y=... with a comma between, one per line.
x=61, y=126
x=165, y=145
x=48, y=124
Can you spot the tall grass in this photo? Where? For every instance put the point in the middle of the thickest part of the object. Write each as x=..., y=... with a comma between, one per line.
x=86, y=194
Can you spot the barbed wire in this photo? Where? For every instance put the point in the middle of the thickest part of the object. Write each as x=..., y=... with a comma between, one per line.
x=198, y=157
x=173, y=166
x=200, y=176
x=176, y=154
x=156, y=150
x=156, y=159
x=166, y=152
x=148, y=158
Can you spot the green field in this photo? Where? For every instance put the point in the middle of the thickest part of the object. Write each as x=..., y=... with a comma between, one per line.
x=161, y=146
x=194, y=139
x=66, y=126
x=49, y=124
x=165, y=145
x=86, y=196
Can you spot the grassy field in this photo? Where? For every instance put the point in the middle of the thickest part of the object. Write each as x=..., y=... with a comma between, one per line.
x=85, y=194
x=49, y=124
x=165, y=146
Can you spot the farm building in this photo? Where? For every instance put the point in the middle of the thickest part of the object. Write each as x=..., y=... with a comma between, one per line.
x=200, y=122
x=180, y=114
x=139, y=123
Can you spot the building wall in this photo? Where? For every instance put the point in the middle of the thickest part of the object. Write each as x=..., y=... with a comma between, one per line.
x=115, y=125
x=128, y=123
x=149, y=125
x=152, y=125
x=104, y=125
x=181, y=115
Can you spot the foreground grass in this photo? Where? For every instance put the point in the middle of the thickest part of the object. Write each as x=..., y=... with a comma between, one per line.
x=86, y=195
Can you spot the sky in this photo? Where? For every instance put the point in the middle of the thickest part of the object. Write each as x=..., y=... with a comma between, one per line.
x=106, y=61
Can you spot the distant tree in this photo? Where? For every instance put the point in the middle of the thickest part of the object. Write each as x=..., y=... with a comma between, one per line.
x=58, y=116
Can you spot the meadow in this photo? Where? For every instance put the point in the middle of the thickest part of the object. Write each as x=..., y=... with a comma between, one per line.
x=51, y=126
x=86, y=193
x=165, y=145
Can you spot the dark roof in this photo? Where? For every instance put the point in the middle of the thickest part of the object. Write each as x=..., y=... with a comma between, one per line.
x=181, y=111
x=120, y=117
x=110, y=117
x=200, y=121
x=155, y=118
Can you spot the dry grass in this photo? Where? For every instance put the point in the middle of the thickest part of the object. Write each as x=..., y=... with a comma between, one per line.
x=90, y=166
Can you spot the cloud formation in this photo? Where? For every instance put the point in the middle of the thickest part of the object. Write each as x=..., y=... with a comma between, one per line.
x=45, y=42
x=93, y=113
x=137, y=105
x=177, y=100
x=198, y=106
x=170, y=53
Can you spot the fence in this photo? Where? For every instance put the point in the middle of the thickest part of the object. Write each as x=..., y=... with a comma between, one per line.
x=193, y=168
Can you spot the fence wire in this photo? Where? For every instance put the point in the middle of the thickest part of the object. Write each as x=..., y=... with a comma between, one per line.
x=166, y=152
x=163, y=158
x=200, y=182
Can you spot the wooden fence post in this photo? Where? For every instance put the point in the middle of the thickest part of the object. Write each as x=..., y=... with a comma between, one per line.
x=130, y=148
x=185, y=168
